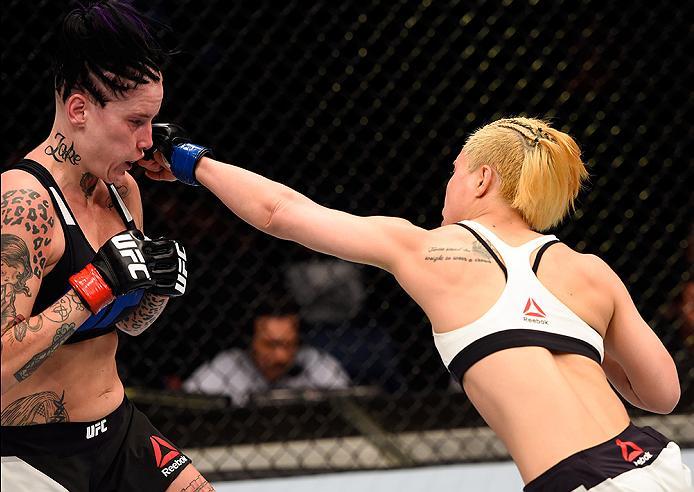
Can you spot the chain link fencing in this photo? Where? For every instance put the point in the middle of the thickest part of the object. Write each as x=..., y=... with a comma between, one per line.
x=363, y=106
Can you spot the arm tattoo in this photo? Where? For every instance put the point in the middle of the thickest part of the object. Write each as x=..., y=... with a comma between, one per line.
x=25, y=207
x=63, y=308
x=61, y=334
x=21, y=325
x=149, y=309
x=61, y=152
x=59, y=312
x=479, y=248
x=199, y=484
x=45, y=407
x=16, y=271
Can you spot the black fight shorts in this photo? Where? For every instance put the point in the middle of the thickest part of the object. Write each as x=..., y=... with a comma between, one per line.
x=121, y=452
x=638, y=459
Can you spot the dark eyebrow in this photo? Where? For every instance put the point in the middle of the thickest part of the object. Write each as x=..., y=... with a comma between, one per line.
x=145, y=115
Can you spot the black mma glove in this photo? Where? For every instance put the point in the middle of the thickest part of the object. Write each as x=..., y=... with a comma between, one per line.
x=166, y=259
x=182, y=155
x=118, y=267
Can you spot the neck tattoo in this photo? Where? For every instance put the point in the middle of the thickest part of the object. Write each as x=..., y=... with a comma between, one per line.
x=123, y=191
x=88, y=184
x=61, y=152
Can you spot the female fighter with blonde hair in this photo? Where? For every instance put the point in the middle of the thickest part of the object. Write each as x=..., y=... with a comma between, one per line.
x=534, y=331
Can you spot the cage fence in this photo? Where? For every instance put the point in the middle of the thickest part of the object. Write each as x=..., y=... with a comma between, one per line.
x=363, y=107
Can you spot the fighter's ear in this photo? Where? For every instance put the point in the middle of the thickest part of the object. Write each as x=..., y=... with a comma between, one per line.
x=76, y=108
x=485, y=178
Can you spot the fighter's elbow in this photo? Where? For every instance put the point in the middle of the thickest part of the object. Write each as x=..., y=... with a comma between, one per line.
x=665, y=399
x=667, y=402
x=272, y=222
x=280, y=215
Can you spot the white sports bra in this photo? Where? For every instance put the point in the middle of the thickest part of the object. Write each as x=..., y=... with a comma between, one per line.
x=526, y=313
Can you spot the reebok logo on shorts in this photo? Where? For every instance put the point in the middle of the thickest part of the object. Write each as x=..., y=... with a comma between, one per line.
x=631, y=452
x=164, y=453
x=533, y=313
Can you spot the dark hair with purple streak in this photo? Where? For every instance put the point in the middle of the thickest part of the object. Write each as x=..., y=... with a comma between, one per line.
x=106, y=48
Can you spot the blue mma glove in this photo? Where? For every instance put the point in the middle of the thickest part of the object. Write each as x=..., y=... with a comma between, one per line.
x=175, y=146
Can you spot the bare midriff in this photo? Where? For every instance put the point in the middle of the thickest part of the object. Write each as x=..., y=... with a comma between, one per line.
x=548, y=407
x=80, y=377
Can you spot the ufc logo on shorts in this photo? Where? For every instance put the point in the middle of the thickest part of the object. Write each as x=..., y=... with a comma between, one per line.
x=128, y=249
x=181, y=280
x=94, y=429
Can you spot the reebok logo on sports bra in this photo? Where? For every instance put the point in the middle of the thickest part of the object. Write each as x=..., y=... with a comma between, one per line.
x=533, y=313
x=526, y=313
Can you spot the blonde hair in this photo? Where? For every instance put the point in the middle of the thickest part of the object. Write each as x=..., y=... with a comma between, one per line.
x=540, y=168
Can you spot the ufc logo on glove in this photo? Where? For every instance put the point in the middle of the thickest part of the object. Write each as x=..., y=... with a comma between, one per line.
x=182, y=272
x=128, y=249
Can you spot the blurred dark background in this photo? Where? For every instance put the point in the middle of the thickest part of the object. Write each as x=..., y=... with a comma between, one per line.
x=363, y=106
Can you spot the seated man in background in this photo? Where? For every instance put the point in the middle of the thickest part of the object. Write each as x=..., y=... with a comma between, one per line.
x=274, y=360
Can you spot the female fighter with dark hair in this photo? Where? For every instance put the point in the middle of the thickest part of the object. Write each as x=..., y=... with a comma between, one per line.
x=76, y=266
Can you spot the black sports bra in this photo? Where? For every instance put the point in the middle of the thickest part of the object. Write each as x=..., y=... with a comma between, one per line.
x=78, y=253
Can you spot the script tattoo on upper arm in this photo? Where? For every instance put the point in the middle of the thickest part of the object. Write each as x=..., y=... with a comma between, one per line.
x=45, y=407
x=436, y=253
